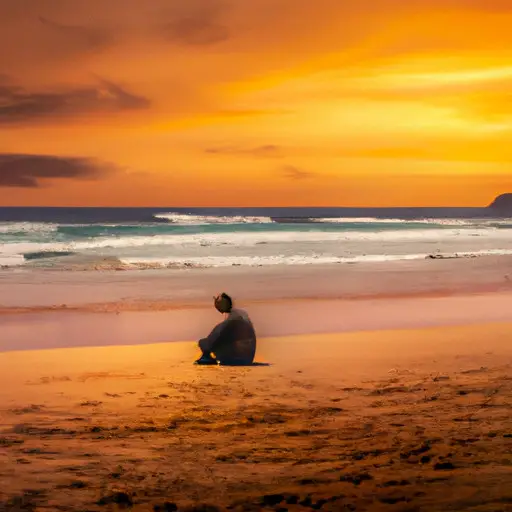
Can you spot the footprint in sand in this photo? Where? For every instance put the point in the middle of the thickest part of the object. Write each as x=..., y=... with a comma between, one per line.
x=90, y=403
x=27, y=410
x=482, y=369
x=49, y=380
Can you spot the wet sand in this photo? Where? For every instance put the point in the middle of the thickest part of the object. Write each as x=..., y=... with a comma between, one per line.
x=28, y=289
x=388, y=420
x=58, y=329
x=52, y=309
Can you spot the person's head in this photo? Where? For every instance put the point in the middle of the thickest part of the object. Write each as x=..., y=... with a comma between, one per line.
x=223, y=303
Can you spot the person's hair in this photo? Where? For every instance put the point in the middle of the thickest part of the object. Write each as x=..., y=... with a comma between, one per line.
x=228, y=299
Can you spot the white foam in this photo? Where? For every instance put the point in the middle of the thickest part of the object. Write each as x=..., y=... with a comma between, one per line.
x=229, y=261
x=244, y=239
x=26, y=227
x=440, y=222
x=358, y=220
x=265, y=260
x=11, y=260
x=313, y=259
x=250, y=239
x=197, y=220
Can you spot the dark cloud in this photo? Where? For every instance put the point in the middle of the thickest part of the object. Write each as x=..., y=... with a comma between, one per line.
x=27, y=171
x=294, y=173
x=18, y=105
x=83, y=38
x=265, y=151
x=197, y=23
x=36, y=36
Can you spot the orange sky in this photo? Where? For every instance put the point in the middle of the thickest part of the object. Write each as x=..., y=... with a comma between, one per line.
x=255, y=102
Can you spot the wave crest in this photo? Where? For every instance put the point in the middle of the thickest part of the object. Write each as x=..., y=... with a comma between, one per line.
x=432, y=221
x=185, y=219
x=243, y=239
x=26, y=227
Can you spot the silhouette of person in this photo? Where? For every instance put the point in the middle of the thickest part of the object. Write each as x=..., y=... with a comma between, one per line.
x=232, y=341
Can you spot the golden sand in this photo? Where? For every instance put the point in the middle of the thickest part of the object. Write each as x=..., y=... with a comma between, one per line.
x=386, y=420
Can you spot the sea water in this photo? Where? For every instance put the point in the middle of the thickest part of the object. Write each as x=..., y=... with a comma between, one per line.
x=205, y=237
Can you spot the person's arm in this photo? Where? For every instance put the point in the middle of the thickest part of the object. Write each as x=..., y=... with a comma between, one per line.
x=208, y=344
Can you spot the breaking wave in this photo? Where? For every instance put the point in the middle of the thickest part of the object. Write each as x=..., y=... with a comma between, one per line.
x=184, y=219
x=26, y=227
x=115, y=239
x=250, y=239
x=411, y=222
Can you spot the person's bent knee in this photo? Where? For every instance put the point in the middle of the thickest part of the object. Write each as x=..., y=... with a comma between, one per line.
x=202, y=343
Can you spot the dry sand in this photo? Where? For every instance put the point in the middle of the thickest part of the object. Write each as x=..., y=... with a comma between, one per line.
x=411, y=420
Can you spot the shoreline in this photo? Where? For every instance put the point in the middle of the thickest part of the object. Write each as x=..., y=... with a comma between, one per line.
x=39, y=309
x=42, y=289
x=68, y=261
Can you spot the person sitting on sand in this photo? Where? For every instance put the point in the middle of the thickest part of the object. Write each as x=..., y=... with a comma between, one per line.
x=233, y=341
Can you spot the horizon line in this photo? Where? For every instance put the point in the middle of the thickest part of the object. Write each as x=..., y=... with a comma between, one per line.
x=247, y=207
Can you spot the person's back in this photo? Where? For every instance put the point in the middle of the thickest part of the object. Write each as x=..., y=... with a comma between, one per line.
x=237, y=344
x=233, y=341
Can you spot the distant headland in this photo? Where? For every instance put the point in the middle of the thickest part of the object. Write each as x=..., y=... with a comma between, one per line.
x=502, y=203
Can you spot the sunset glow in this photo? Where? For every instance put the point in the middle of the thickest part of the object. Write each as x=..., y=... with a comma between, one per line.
x=256, y=102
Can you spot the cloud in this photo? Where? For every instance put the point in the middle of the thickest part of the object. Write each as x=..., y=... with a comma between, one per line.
x=48, y=38
x=27, y=171
x=196, y=23
x=294, y=173
x=83, y=38
x=265, y=151
x=18, y=105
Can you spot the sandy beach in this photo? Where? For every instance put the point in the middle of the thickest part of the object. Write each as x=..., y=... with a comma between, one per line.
x=396, y=420
x=381, y=388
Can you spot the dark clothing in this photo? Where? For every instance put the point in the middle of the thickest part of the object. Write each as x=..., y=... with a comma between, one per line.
x=233, y=341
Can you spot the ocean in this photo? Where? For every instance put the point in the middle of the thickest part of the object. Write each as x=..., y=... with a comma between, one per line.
x=135, y=238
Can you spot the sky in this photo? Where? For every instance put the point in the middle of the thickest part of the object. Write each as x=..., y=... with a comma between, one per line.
x=255, y=102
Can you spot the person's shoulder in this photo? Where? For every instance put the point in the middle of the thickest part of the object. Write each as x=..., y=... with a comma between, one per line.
x=239, y=313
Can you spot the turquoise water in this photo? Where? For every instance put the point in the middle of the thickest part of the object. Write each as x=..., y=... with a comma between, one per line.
x=17, y=232
x=206, y=237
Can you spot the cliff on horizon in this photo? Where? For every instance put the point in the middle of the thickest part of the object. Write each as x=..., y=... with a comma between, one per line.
x=502, y=204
